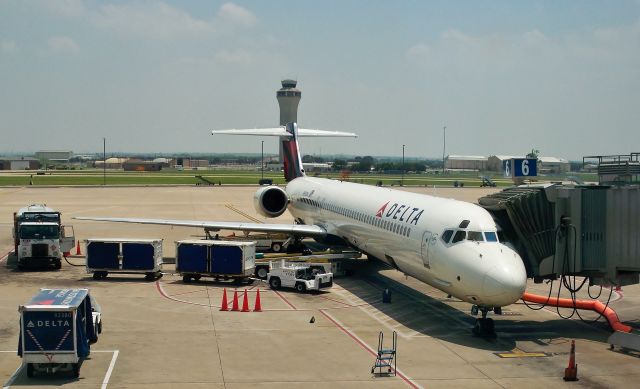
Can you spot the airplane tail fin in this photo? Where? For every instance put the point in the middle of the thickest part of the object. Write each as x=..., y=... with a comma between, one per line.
x=291, y=158
x=290, y=154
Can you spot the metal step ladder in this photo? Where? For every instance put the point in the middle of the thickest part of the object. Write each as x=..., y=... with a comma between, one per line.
x=386, y=356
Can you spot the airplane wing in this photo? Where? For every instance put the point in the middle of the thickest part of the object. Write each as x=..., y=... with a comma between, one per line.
x=293, y=229
x=281, y=131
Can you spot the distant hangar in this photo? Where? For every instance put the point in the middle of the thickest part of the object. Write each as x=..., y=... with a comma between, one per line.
x=494, y=163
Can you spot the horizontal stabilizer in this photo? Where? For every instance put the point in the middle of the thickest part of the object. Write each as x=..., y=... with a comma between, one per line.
x=281, y=131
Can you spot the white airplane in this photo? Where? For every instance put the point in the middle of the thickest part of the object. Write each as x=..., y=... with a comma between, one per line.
x=448, y=244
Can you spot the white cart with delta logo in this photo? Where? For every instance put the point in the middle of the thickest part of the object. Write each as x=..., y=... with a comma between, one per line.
x=56, y=327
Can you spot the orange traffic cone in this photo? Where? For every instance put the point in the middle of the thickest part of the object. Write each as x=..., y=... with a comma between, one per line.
x=245, y=302
x=258, y=306
x=225, y=304
x=78, y=249
x=234, y=306
x=571, y=372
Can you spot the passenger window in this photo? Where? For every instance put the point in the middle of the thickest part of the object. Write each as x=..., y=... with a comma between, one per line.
x=446, y=236
x=475, y=236
x=459, y=236
x=491, y=236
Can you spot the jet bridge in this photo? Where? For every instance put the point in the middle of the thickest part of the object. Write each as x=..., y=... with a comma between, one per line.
x=583, y=230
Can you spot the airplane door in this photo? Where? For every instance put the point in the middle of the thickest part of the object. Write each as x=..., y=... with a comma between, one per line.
x=424, y=248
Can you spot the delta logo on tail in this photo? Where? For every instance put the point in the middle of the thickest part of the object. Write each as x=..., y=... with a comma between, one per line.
x=399, y=212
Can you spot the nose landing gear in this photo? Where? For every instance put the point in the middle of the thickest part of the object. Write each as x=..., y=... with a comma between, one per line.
x=484, y=326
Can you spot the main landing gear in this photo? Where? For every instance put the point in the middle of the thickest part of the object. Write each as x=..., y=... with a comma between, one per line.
x=484, y=326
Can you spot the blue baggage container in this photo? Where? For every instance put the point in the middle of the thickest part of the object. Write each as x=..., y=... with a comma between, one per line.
x=103, y=255
x=215, y=258
x=192, y=258
x=137, y=256
x=226, y=260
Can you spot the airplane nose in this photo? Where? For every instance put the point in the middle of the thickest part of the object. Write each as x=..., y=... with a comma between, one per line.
x=504, y=284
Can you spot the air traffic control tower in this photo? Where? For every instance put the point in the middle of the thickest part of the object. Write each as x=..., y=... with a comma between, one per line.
x=288, y=99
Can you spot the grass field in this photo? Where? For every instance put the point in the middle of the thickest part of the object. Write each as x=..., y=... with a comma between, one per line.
x=233, y=177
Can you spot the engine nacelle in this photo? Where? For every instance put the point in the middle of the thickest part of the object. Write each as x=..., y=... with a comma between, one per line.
x=271, y=201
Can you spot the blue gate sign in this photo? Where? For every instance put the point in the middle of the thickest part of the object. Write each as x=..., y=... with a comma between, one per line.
x=525, y=167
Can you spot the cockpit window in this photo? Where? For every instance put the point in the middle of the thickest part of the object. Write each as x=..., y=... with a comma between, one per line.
x=459, y=236
x=491, y=236
x=464, y=224
x=446, y=236
x=475, y=236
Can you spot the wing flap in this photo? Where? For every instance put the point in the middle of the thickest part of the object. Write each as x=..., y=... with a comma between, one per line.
x=293, y=229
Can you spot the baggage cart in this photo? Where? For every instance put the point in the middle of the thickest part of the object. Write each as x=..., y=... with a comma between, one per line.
x=126, y=256
x=215, y=258
x=56, y=328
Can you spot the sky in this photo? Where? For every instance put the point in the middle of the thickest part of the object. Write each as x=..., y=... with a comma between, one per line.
x=504, y=77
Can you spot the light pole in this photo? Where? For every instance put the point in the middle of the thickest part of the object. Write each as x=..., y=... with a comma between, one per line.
x=402, y=182
x=444, y=145
x=262, y=161
x=104, y=161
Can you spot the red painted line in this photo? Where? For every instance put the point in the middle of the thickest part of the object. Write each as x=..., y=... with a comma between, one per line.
x=163, y=294
x=192, y=291
x=285, y=300
x=348, y=306
x=337, y=301
x=4, y=257
x=407, y=380
x=619, y=295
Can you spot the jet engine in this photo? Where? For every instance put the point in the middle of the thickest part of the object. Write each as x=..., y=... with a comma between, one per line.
x=270, y=201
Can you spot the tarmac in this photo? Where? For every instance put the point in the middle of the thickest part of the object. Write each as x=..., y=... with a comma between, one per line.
x=166, y=334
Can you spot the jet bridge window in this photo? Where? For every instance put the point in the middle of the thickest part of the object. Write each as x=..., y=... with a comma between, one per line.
x=459, y=236
x=446, y=235
x=475, y=236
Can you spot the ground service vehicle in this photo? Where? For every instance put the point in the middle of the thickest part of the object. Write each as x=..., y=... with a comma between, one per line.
x=302, y=277
x=40, y=239
x=56, y=328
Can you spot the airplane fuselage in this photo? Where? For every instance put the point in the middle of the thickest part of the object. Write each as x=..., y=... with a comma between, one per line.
x=448, y=244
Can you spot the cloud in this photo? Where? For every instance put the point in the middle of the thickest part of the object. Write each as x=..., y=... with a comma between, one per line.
x=152, y=19
x=237, y=56
x=529, y=50
x=7, y=46
x=233, y=13
x=67, y=8
x=222, y=57
x=63, y=44
x=418, y=51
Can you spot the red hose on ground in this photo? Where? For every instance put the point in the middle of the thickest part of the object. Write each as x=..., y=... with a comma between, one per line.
x=593, y=305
